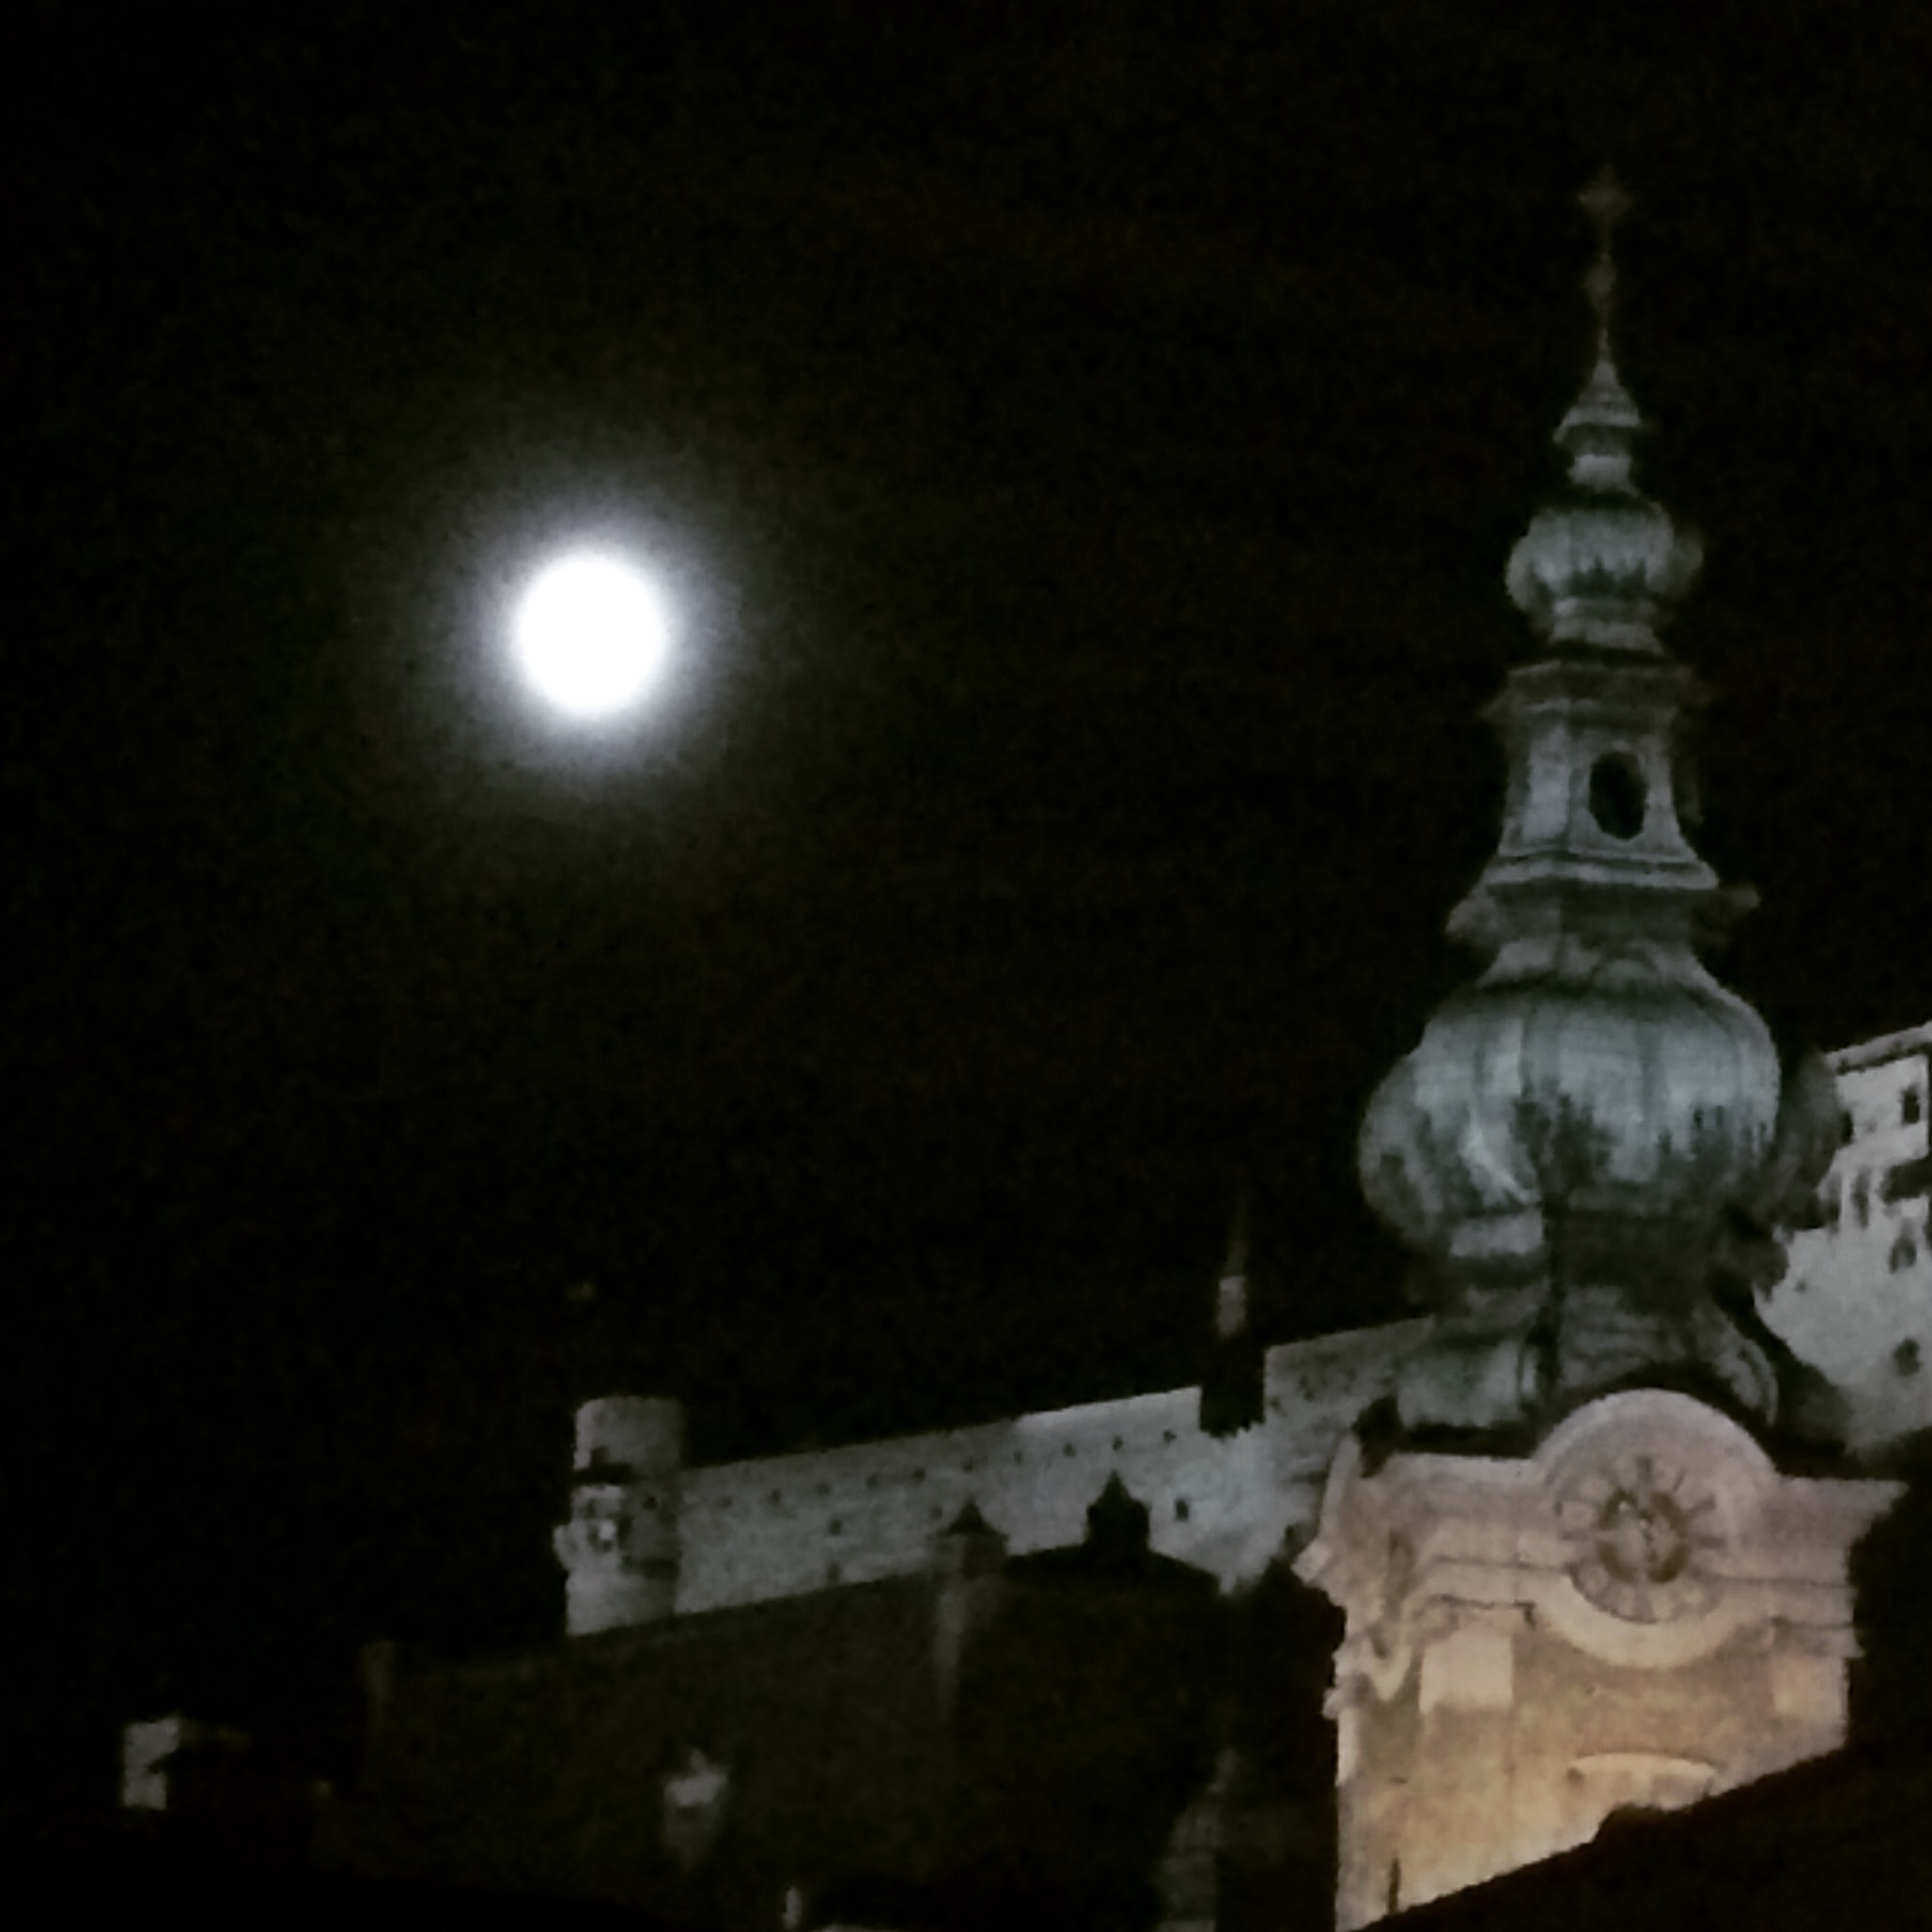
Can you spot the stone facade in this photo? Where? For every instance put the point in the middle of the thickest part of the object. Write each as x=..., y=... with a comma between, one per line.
x=1642, y=1613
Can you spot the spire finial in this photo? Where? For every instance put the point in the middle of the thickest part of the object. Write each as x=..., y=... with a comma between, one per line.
x=1237, y=1263
x=1598, y=570
x=1606, y=204
x=1231, y=1295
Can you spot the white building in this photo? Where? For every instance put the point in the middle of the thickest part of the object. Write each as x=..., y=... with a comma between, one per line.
x=1856, y=1298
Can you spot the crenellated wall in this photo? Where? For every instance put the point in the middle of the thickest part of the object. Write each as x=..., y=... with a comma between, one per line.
x=756, y=1530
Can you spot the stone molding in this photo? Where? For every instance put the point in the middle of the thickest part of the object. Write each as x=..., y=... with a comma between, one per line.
x=1410, y=1550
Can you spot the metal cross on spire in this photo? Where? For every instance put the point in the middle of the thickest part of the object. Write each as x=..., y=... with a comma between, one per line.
x=1606, y=204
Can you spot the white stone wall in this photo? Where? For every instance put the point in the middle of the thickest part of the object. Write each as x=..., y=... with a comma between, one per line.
x=1856, y=1298
x=783, y=1525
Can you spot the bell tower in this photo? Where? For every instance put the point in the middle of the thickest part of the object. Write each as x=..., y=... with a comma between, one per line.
x=1562, y=1142
x=1574, y=1575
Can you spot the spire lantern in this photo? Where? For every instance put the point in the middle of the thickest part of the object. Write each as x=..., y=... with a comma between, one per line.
x=1596, y=569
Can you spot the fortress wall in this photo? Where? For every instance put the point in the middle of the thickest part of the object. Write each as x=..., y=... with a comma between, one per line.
x=783, y=1525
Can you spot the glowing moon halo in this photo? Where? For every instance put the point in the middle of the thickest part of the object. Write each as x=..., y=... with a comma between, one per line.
x=589, y=635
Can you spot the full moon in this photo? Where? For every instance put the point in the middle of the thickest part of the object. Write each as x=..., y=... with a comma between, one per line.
x=589, y=635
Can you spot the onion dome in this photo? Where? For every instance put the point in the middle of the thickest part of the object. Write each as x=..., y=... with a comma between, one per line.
x=1613, y=1082
x=1595, y=568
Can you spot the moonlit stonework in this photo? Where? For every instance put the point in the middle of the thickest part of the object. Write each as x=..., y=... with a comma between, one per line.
x=590, y=636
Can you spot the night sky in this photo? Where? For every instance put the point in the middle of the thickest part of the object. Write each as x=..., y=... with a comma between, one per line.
x=1085, y=449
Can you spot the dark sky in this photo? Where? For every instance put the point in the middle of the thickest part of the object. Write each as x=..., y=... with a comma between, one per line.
x=1086, y=447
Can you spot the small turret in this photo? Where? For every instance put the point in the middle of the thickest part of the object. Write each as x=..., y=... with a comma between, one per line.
x=1232, y=1397
x=619, y=1549
x=969, y=1557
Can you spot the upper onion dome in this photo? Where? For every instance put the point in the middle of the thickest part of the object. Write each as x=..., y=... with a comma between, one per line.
x=1596, y=567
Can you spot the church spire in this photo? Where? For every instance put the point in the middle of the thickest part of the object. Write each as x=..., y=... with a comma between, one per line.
x=1231, y=1297
x=1606, y=204
x=1567, y=1131
x=1232, y=1397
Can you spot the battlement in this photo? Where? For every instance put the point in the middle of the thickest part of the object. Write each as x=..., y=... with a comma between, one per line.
x=753, y=1531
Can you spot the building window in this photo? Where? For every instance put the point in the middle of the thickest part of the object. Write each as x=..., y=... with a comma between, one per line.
x=1844, y=1128
x=1167, y=1435
x=1181, y=1509
x=1913, y=1108
x=1861, y=1199
x=1902, y=1254
x=1912, y=1180
x=1905, y=1357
